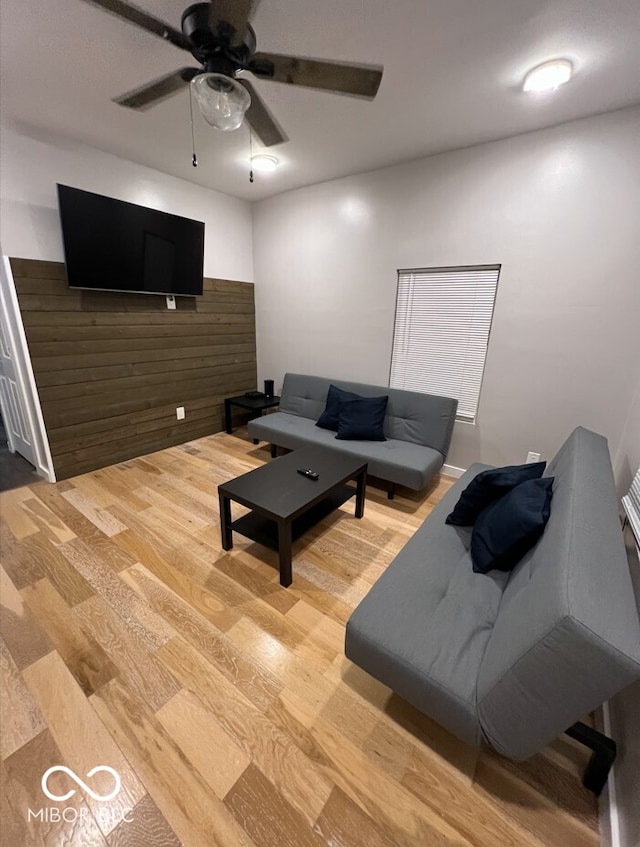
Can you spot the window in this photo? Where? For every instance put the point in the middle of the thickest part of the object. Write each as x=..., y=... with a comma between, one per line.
x=631, y=503
x=441, y=333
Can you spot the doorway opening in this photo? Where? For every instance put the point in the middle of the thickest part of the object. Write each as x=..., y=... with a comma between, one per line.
x=15, y=470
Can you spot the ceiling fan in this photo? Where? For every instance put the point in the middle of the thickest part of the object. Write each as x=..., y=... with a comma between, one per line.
x=218, y=34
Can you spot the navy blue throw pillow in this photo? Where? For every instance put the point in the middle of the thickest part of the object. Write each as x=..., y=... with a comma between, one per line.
x=362, y=419
x=329, y=418
x=489, y=486
x=505, y=530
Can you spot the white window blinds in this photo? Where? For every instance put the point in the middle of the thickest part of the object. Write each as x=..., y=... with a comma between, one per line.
x=443, y=319
x=631, y=503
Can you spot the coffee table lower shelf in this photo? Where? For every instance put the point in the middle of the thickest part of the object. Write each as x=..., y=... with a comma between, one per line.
x=264, y=530
x=284, y=505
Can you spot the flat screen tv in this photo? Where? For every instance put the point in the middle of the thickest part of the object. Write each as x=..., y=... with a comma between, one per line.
x=110, y=245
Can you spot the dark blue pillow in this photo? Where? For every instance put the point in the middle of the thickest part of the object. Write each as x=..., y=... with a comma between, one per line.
x=362, y=419
x=505, y=530
x=329, y=418
x=489, y=486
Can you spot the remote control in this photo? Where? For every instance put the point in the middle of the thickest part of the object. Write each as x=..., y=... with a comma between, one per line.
x=309, y=474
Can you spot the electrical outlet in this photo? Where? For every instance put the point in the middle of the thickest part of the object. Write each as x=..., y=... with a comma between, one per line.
x=532, y=457
x=180, y=413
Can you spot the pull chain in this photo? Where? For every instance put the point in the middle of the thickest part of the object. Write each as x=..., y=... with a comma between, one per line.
x=250, y=155
x=194, y=158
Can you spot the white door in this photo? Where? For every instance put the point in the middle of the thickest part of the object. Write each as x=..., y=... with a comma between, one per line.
x=21, y=412
x=15, y=421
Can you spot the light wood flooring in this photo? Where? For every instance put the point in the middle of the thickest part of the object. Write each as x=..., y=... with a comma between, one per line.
x=225, y=702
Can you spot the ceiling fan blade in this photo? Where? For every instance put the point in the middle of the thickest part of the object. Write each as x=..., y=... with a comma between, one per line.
x=261, y=120
x=143, y=20
x=158, y=89
x=236, y=13
x=357, y=80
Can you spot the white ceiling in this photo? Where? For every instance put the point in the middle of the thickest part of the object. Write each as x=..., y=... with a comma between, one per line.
x=452, y=78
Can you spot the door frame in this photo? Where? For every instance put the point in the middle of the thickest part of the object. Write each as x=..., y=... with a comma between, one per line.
x=25, y=380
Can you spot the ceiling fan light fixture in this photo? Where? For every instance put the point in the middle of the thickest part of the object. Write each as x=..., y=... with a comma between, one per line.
x=548, y=76
x=221, y=100
x=264, y=163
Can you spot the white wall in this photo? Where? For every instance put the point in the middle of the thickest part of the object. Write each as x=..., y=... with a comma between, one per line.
x=559, y=209
x=30, y=167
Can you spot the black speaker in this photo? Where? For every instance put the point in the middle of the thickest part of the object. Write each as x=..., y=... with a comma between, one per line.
x=268, y=388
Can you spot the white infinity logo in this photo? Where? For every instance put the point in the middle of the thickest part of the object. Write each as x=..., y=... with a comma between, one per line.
x=83, y=785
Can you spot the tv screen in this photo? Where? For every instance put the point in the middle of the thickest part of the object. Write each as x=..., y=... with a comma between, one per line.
x=111, y=245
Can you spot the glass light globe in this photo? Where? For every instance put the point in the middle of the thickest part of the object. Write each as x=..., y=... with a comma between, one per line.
x=222, y=101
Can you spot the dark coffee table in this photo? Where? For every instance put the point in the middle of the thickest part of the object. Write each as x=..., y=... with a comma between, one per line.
x=284, y=504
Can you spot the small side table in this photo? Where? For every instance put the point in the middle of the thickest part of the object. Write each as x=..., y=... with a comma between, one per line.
x=253, y=404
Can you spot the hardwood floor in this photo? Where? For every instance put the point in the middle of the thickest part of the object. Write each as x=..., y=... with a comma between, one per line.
x=223, y=701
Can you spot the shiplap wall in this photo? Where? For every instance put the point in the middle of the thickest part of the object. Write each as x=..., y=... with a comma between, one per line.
x=111, y=368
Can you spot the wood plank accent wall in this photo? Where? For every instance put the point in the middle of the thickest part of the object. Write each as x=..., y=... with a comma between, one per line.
x=111, y=368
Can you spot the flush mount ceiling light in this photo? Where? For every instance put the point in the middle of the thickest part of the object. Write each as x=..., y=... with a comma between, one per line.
x=264, y=163
x=548, y=76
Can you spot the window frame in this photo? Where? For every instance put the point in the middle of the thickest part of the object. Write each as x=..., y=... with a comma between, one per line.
x=496, y=266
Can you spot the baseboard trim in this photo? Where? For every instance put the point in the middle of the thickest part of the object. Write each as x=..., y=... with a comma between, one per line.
x=610, y=797
x=46, y=473
x=452, y=470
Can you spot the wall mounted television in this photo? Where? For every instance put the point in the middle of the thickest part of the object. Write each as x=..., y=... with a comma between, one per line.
x=111, y=245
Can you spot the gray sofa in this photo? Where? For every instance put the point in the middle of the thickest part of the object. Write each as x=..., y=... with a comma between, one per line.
x=418, y=428
x=516, y=658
